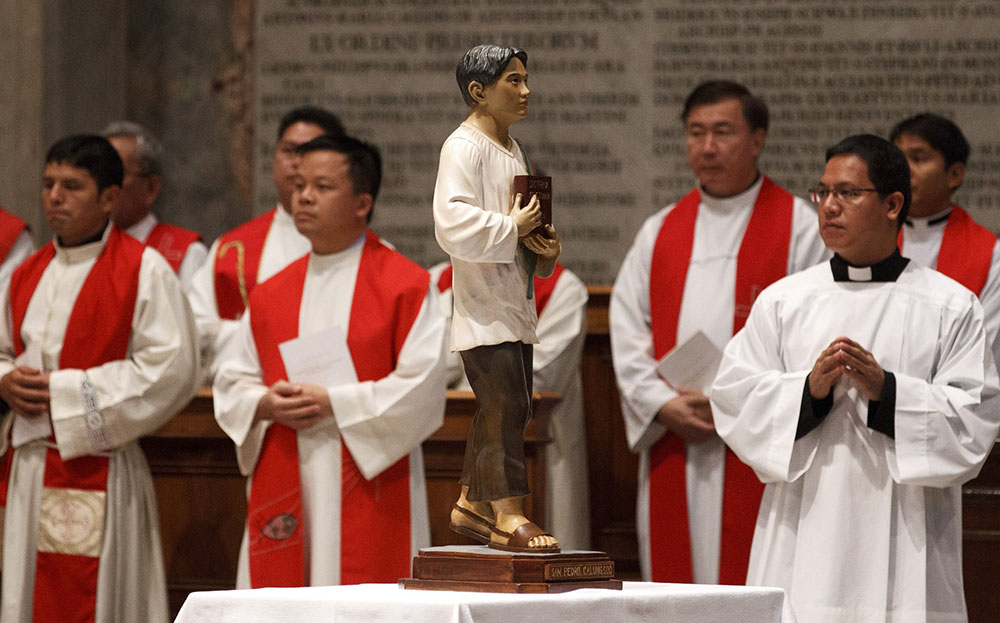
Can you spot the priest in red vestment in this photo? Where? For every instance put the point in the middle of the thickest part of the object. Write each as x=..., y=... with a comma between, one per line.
x=97, y=349
x=248, y=255
x=938, y=233
x=697, y=265
x=335, y=378
x=15, y=243
x=141, y=155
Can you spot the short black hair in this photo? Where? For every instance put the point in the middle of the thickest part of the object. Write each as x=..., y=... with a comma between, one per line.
x=90, y=152
x=363, y=161
x=887, y=166
x=940, y=133
x=326, y=120
x=715, y=91
x=485, y=64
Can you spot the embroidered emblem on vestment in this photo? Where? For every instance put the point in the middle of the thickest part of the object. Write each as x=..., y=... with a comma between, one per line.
x=280, y=527
x=72, y=521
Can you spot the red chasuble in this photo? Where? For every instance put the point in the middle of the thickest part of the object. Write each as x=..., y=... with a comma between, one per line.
x=762, y=260
x=543, y=287
x=237, y=261
x=172, y=242
x=65, y=579
x=966, y=251
x=10, y=228
x=375, y=515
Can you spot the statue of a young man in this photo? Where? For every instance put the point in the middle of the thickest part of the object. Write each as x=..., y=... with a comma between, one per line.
x=487, y=233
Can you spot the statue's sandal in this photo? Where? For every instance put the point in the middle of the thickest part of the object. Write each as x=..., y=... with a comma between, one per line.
x=518, y=541
x=479, y=528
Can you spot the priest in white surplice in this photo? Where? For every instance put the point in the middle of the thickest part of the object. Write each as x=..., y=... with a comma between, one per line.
x=97, y=348
x=696, y=266
x=353, y=446
x=863, y=391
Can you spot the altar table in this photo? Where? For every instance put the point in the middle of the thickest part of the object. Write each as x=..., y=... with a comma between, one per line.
x=637, y=602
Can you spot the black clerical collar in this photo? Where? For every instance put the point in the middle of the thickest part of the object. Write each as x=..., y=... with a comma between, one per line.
x=95, y=238
x=888, y=269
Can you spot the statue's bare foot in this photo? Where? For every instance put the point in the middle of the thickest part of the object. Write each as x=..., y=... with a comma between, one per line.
x=472, y=519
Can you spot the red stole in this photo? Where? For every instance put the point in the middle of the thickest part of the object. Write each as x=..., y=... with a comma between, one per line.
x=762, y=260
x=543, y=287
x=966, y=252
x=375, y=515
x=237, y=262
x=66, y=583
x=10, y=228
x=172, y=242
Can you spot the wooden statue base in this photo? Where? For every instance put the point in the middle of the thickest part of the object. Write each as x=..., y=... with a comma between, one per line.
x=481, y=569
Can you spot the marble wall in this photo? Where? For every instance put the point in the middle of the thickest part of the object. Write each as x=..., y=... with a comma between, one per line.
x=180, y=68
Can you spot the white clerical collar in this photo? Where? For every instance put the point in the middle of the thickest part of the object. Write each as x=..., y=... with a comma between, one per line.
x=742, y=200
x=82, y=252
x=933, y=221
x=859, y=273
x=141, y=230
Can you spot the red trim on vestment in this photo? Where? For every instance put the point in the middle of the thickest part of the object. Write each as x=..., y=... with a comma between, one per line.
x=445, y=279
x=375, y=515
x=762, y=260
x=172, y=242
x=98, y=331
x=966, y=252
x=238, y=254
x=10, y=228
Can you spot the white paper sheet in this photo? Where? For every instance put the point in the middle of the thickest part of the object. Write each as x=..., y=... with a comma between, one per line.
x=27, y=429
x=320, y=359
x=692, y=364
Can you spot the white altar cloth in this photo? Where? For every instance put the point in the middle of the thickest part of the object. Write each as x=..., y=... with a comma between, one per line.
x=638, y=602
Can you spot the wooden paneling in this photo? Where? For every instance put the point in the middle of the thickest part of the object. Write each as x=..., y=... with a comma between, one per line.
x=981, y=542
x=612, y=468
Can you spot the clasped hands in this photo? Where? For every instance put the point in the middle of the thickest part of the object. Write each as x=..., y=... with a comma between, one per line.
x=26, y=391
x=298, y=406
x=689, y=416
x=546, y=243
x=845, y=356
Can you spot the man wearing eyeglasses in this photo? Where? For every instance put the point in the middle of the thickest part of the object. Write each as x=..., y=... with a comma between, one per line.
x=939, y=233
x=697, y=266
x=141, y=155
x=864, y=392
